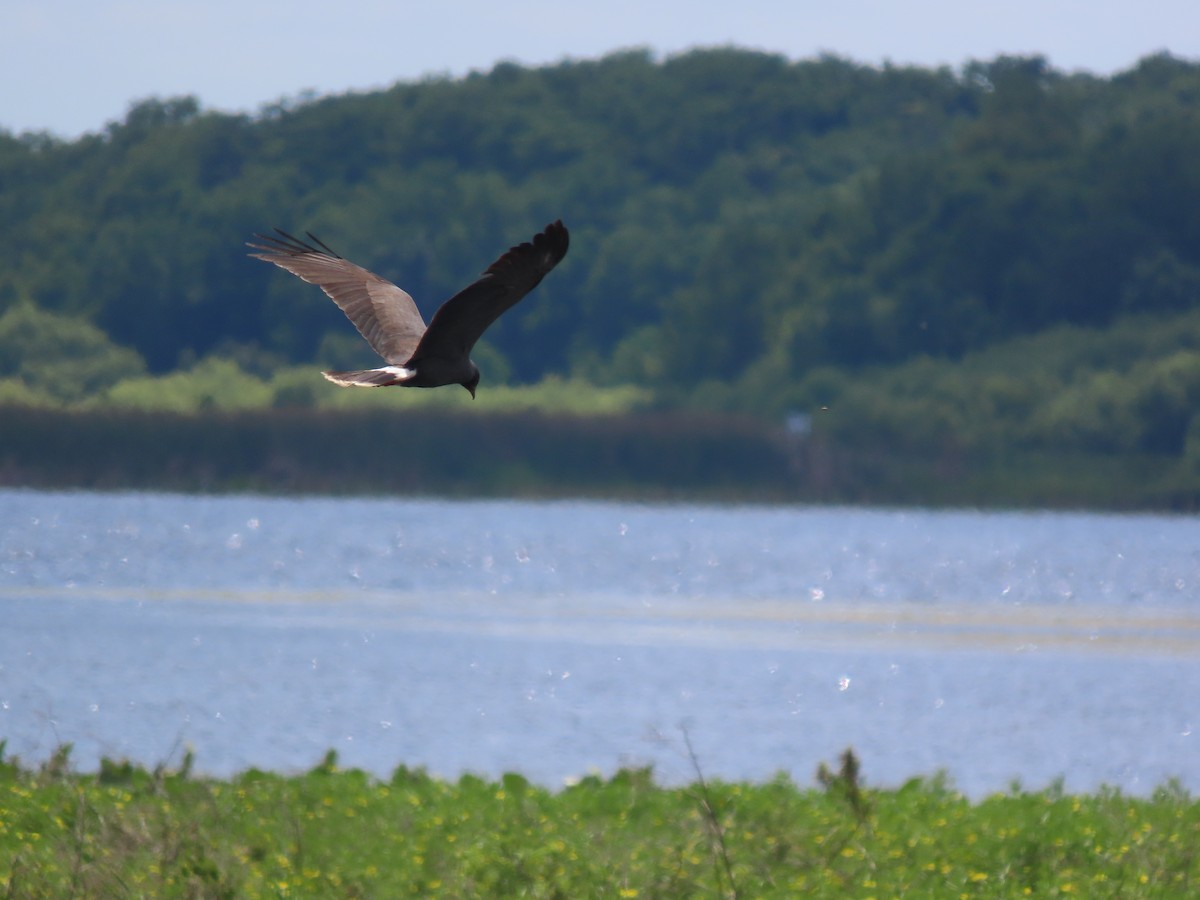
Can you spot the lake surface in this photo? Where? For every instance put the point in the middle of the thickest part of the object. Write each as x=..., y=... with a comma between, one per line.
x=556, y=639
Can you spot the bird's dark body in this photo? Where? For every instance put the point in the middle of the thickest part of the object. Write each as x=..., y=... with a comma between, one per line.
x=388, y=319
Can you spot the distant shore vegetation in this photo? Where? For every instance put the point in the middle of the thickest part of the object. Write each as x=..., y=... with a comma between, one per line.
x=977, y=268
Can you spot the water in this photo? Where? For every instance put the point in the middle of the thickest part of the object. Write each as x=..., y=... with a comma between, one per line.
x=555, y=639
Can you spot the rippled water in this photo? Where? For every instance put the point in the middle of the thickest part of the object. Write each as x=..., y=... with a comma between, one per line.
x=558, y=638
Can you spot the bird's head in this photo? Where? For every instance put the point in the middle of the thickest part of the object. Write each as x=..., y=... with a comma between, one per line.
x=473, y=382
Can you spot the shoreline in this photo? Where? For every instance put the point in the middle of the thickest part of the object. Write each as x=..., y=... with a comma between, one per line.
x=646, y=456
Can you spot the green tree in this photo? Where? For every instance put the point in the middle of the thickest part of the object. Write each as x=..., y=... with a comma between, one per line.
x=60, y=356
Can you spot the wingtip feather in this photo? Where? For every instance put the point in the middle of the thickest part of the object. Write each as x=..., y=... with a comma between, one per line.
x=553, y=240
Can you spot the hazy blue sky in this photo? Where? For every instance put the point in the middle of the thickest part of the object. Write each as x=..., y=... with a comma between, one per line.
x=70, y=66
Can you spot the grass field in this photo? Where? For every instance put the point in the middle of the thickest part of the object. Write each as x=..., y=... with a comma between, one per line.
x=129, y=832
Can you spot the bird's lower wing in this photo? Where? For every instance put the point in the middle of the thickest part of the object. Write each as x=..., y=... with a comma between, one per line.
x=383, y=313
x=388, y=375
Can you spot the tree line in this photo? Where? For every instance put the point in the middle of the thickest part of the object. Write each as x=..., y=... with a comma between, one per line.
x=748, y=233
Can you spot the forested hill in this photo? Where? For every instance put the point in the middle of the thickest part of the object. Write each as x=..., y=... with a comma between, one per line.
x=747, y=232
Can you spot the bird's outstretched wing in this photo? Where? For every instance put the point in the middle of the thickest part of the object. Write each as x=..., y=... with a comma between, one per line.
x=457, y=325
x=383, y=313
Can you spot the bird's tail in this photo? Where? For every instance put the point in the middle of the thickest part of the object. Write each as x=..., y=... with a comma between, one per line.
x=388, y=375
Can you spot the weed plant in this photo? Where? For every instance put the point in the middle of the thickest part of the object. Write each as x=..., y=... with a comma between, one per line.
x=130, y=832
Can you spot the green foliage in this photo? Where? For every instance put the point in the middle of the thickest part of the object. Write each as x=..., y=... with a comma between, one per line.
x=14, y=392
x=216, y=384
x=221, y=384
x=58, y=357
x=1134, y=388
x=996, y=257
x=334, y=832
x=727, y=206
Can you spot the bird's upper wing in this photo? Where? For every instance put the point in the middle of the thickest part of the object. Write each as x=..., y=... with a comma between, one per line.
x=383, y=314
x=457, y=325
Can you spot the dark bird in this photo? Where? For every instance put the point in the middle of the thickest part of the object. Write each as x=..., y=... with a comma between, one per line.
x=384, y=314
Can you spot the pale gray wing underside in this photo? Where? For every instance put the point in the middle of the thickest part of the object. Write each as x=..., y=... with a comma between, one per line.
x=383, y=313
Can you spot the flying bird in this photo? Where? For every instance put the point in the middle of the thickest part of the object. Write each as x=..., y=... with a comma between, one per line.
x=384, y=314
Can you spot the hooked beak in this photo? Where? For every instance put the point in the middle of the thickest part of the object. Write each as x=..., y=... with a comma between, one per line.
x=470, y=388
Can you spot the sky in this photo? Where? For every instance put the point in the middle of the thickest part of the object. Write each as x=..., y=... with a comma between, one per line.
x=71, y=66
